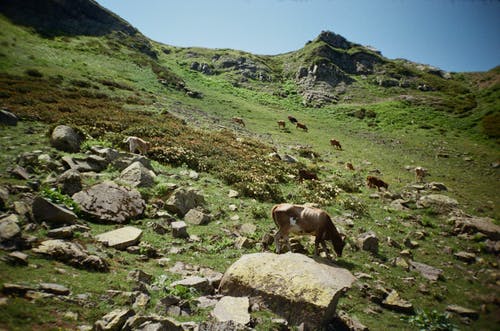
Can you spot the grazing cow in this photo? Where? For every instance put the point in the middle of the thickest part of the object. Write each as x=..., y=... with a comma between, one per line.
x=420, y=174
x=238, y=120
x=308, y=175
x=302, y=219
x=335, y=143
x=292, y=119
x=137, y=144
x=373, y=182
x=301, y=126
x=281, y=124
x=349, y=166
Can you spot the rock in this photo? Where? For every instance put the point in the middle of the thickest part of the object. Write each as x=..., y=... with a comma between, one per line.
x=233, y=194
x=411, y=243
x=65, y=232
x=141, y=300
x=394, y=302
x=123, y=162
x=66, y=139
x=138, y=175
x=16, y=289
x=90, y=163
x=466, y=257
x=289, y=159
x=16, y=258
x=439, y=203
x=110, y=203
x=8, y=118
x=232, y=309
x=70, y=182
x=182, y=200
x=52, y=288
x=242, y=242
x=20, y=173
x=223, y=326
x=206, y=302
x=4, y=198
x=72, y=254
x=200, y=284
x=464, y=312
x=292, y=285
x=152, y=323
x=426, y=271
x=435, y=186
x=114, y=321
x=9, y=229
x=346, y=322
x=179, y=229
x=107, y=153
x=248, y=229
x=139, y=276
x=197, y=217
x=46, y=211
x=472, y=225
x=120, y=238
x=368, y=241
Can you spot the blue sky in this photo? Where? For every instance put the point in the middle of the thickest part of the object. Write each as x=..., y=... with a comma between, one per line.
x=454, y=35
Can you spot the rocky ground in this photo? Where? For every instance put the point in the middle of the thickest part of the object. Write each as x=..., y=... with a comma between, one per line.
x=56, y=196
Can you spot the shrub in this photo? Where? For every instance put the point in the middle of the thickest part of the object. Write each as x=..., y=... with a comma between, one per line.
x=33, y=73
x=176, y=156
x=350, y=183
x=320, y=192
x=56, y=196
x=432, y=321
x=354, y=204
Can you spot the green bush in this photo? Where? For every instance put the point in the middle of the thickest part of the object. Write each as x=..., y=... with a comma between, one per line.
x=320, y=192
x=432, y=321
x=55, y=195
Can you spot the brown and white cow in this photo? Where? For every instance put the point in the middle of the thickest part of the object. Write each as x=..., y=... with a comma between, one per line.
x=137, y=144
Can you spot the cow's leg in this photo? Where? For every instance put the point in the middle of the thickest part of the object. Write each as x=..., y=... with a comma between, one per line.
x=287, y=240
x=277, y=238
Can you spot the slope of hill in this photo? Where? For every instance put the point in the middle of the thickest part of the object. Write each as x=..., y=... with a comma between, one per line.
x=389, y=115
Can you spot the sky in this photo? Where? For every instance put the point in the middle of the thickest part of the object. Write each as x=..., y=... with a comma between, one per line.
x=454, y=35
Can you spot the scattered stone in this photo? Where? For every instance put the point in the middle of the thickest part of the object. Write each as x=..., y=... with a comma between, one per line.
x=114, y=320
x=52, y=288
x=141, y=300
x=394, y=302
x=292, y=285
x=20, y=173
x=439, y=203
x=242, y=242
x=8, y=118
x=464, y=312
x=207, y=301
x=466, y=257
x=66, y=232
x=19, y=290
x=346, y=322
x=71, y=253
x=9, y=229
x=368, y=241
x=139, y=276
x=70, y=182
x=233, y=207
x=46, y=211
x=411, y=243
x=120, y=238
x=248, y=229
x=401, y=262
x=179, y=229
x=16, y=258
x=201, y=284
x=235, y=218
x=435, y=186
x=110, y=203
x=182, y=200
x=233, y=194
x=472, y=225
x=197, y=217
x=289, y=159
x=66, y=139
x=426, y=271
x=152, y=323
x=138, y=175
x=4, y=197
x=391, y=242
x=214, y=325
x=232, y=309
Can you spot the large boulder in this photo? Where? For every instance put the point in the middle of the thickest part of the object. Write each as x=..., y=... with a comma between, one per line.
x=183, y=200
x=294, y=286
x=138, y=175
x=471, y=225
x=66, y=139
x=109, y=202
x=72, y=254
x=70, y=182
x=439, y=203
x=47, y=211
x=8, y=118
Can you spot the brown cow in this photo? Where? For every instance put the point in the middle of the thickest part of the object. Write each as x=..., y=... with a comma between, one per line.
x=292, y=119
x=335, y=143
x=302, y=219
x=420, y=174
x=137, y=144
x=308, y=175
x=349, y=166
x=301, y=126
x=238, y=120
x=281, y=124
x=373, y=182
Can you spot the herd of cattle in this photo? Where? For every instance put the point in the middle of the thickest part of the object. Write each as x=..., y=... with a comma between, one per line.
x=299, y=219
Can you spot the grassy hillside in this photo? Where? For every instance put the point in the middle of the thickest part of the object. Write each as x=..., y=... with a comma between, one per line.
x=107, y=88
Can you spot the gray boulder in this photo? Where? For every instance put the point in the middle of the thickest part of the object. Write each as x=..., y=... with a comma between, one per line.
x=66, y=139
x=8, y=118
x=70, y=182
x=427, y=271
x=89, y=163
x=4, y=197
x=9, y=229
x=232, y=309
x=72, y=254
x=120, y=238
x=114, y=320
x=184, y=199
x=292, y=285
x=109, y=202
x=47, y=211
x=138, y=175
x=439, y=203
x=472, y=225
x=368, y=242
x=201, y=284
x=197, y=217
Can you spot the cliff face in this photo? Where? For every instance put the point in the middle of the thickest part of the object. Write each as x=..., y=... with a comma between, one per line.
x=65, y=17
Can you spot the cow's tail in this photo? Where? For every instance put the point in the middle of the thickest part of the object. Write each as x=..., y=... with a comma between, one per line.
x=273, y=215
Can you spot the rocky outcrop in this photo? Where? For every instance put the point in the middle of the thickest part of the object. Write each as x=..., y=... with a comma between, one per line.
x=294, y=286
x=109, y=202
